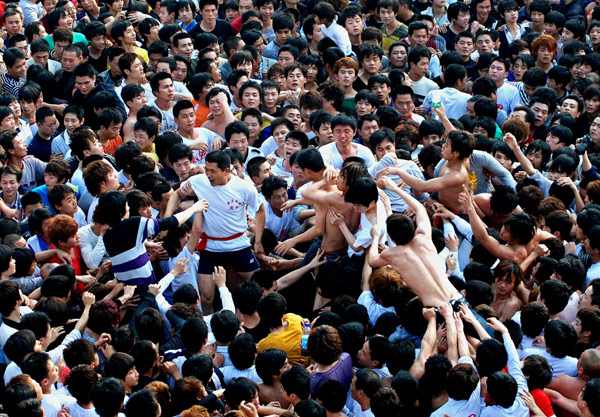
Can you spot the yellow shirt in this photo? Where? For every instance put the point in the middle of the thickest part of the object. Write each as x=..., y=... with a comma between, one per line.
x=289, y=340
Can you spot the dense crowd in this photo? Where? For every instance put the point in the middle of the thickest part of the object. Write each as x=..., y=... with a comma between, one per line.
x=380, y=208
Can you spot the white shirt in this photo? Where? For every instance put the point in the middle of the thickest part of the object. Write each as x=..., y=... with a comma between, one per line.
x=75, y=410
x=454, y=101
x=470, y=407
x=205, y=136
x=339, y=35
x=168, y=120
x=566, y=365
x=231, y=372
x=363, y=234
x=280, y=225
x=422, y=87
x=226, y=215
x=190, y=277
x=331, y=155
x=592, y=273
x=508, y=98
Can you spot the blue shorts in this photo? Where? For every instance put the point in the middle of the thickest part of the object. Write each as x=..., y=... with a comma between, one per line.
x=242, y=260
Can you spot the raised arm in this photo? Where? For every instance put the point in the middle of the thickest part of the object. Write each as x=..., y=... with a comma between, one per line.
x=422, y=219
x=511, y=141
x=291, y=277
x=198, y=207
x=427, y=344
x=480, y=231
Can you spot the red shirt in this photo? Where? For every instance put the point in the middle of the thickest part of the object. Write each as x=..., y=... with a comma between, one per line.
x=78, y=265
x=543, y=401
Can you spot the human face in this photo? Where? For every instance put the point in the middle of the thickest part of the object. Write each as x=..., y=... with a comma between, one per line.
x=59, y=48
x=215, y=106
x=65, y=22
x=141, y=138
x=504, y=285
x=343, y=135
x=49, y=126
x=595, y=129
x=131, y=379
x=70, y=60
x=254, y=127
x=382, y=91
x=354, y=25
x=279, y=135
x=484, y=42
x=186, y=120
x=266, y=11
x=85, y=84
x=182, y=167
x=19, y=69
x=165, y=90
x=372, y=64
x=285, y=58
x=550, y=29
x=239, y=141
x=398, y=57
x=98, y=42
x=535, y=158
x=9, y=184
x=16, y=108
x=592, y=105
x=244, y=6
x=567, y=35
x=585, y=299
x=483, y=10
x=296, y=79
x=137, y=70
x=384, y=148
x=22, y=45
x=186, y=15
x=503, y=160
x=541, y=113
x=497, y=71
x=215, y=72
x=8, y=123
x=185, y=47
x=215, y=175
x=290, y=147
x=537, y=19
x=294, y=116
x=129, y=36
x=419, y=37
x=282, y=35
x=251, y=98
x=165, y=17
x=13, y=24
x=519, y=68
x=545, y=55
x=364, y=356
x=462, y=21
x=180, y=72
x=386, y=15
x=231, y=15
x=421, y=67
x=404, y=104
x=595, y=35
x=325, y=134
x=363, y=107
x=50, y=180
x=265, y=171
x=277, y=199
x=270, y=97
x=571, y=107
x=41, y=58
x=68, y=205
x=112, y=131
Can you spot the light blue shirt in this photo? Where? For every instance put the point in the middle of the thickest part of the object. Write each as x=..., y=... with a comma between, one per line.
x=454, y=101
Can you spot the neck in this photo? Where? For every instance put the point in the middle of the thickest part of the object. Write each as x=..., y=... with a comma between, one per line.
x=15, y=315
x=413, y=76
x=47, y=389
x=16, y=161
x=355, y=39
x=456, y=28
x=207, y=25
x=129, y=47
x=87, y=406
x=438, y=11
x=595, y=258
x=365, y=404
x=92, y=49
x=189, y=134
x=545, y=67
x=164, y=104
x=512, y=26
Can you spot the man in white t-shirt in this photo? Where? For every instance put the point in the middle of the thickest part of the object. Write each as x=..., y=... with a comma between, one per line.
x=344, y=130
x=224, y=240
x=279, y=222
x=507, y=95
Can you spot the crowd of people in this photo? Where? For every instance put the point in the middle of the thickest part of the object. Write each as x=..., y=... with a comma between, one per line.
x=309, y=208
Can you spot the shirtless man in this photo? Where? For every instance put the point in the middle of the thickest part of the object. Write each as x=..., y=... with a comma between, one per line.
x=454, y=175
x=564, y=390
x=326, y=192
x=220, y=114
x=518, y=230
x=415, y=257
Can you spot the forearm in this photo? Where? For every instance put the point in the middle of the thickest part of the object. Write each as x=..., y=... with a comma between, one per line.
x=305, y=214
x=185, y=215
x=417, y=184
x=174, y=201
x=259, y=224
x=93, y=257
x=350, y=239
x=45, y=256
x=82, y=322
x=292, y=277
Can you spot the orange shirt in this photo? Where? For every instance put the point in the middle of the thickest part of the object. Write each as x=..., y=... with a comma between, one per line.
x=201, y=113
x=113, y=144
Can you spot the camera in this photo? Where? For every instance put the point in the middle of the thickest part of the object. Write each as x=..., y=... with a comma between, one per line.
x=583, y=145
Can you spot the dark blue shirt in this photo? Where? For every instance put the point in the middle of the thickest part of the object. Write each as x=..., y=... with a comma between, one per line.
x=40, y=148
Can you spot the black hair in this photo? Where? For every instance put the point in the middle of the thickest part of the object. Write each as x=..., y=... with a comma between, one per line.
x=296, y=381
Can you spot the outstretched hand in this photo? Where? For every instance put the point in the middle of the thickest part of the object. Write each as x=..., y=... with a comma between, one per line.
x=465, y=199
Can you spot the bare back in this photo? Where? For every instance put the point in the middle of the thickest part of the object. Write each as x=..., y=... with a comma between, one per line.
x=422, y=269
x=449, y=195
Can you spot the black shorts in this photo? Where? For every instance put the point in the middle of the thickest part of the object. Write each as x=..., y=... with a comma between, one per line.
x=242, y=260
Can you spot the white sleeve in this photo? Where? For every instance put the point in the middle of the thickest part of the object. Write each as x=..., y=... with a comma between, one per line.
x=91, y=255
x=464, y=228
x=57, y=352
x=513, y=363
x=227, y=299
